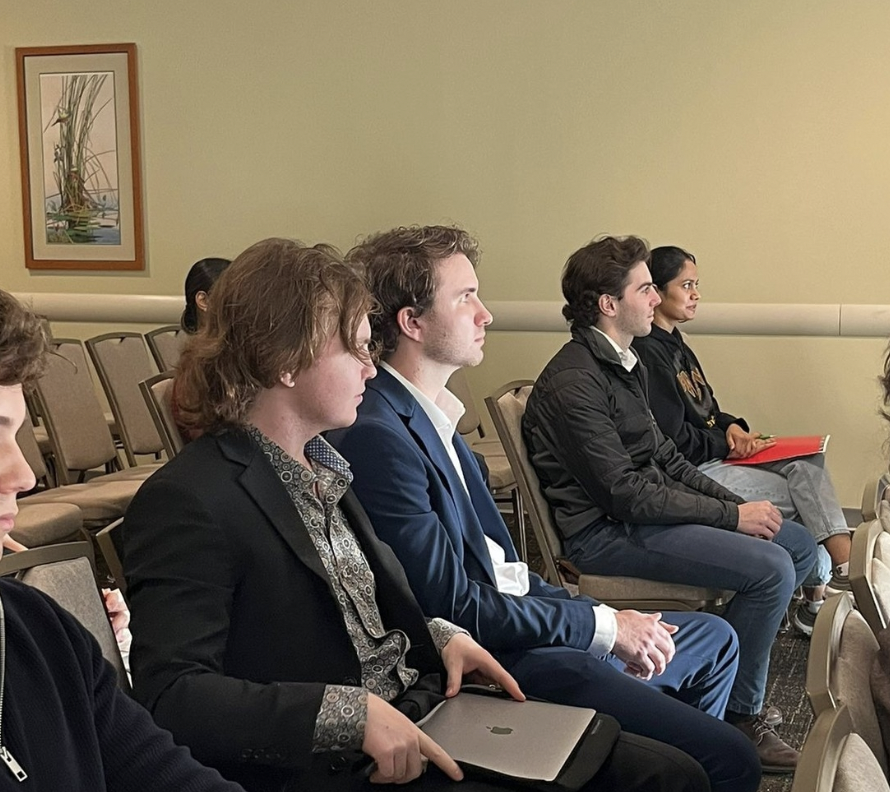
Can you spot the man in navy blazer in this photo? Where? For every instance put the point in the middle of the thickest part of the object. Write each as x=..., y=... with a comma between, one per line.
x=663, y=676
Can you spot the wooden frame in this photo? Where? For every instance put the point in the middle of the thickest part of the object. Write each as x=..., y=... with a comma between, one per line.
x=80, y=155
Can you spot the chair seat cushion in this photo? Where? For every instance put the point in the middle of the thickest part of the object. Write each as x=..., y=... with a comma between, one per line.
x=41, y=524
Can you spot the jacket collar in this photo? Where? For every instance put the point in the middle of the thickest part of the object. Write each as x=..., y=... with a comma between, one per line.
x=420, y=427
x=602, y=350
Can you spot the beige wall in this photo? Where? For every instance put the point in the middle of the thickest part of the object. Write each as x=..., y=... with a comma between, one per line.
x=754, y=133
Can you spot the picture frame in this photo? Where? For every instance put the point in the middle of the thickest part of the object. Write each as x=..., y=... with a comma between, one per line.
x=80, y=157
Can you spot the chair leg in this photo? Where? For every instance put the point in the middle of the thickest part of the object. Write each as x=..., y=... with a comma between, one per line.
x=519, y=516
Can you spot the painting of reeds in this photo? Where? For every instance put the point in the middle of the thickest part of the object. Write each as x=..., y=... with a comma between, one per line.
x=80, y=153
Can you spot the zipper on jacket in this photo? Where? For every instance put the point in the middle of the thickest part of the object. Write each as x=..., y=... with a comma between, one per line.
x=8, y=759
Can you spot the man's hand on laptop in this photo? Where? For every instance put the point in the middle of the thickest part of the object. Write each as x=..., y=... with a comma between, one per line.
x=759, y=518
x=643, y=642
x=463, y=657
x=399, y=749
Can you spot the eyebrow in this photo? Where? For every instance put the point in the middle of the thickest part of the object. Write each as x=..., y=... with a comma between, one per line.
x=5, y=420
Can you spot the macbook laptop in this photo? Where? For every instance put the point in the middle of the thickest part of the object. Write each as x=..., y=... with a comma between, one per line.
x=530, y=740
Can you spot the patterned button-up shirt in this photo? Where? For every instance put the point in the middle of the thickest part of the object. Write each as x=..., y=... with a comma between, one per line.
x=316, y=493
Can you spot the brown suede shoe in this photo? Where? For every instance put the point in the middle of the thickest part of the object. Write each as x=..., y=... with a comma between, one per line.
x=776, y=756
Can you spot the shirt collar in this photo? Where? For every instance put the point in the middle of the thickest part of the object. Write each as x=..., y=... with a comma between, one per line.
x=444, y=412
x=626, y=356
x=317, y=450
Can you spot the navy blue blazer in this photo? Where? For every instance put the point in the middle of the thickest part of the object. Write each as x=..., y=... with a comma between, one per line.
x=407, y=484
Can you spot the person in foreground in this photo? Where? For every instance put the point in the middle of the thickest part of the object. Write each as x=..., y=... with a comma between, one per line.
x=65, y=722
x=687, y=411
x=273, y=633
x=628, y=503
x=426, y=498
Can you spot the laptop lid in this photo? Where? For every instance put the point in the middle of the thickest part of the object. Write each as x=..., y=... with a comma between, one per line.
x=530, y=740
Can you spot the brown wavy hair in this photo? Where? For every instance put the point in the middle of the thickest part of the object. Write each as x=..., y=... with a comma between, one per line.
x=24, y=343
x=271, y=312
x=400, y=266
x=600, y=267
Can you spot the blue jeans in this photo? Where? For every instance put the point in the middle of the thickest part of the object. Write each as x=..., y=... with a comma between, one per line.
x=799, y=488
x=681, y=707
x=762, y=574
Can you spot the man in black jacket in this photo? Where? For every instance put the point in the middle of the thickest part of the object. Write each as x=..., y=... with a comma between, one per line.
x=628, y=503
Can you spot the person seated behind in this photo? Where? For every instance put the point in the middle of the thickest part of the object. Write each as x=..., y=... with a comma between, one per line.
x=687, y=411
x=626, y=502
x=198, y=284
x=65, y=722
x=273, y=633
x=426, y=498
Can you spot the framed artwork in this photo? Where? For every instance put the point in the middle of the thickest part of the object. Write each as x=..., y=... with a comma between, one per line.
x=81, y=171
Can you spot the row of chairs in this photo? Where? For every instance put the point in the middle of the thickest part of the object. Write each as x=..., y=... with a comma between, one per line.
x=845, y=750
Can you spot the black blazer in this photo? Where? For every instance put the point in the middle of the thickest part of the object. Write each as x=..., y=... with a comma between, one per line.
x=235, y=628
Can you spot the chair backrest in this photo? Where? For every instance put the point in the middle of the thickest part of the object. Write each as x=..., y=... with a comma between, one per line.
x=842, y=649
x=470, y=421
x=157, y=391
x=75, y=422
x=507, y=406
x=109, y=540
x=834, y=759
x=27, y=442
x=66, y=573
x=870, y=573
x=165, y=344
x=122, y=362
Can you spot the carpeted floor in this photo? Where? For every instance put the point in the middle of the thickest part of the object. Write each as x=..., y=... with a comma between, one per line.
x=785, y=689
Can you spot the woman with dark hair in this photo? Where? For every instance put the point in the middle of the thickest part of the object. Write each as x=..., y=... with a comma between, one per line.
x=687, y=411
x=198, y=283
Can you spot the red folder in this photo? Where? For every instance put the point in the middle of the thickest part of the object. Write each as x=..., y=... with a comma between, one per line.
x=786, y=448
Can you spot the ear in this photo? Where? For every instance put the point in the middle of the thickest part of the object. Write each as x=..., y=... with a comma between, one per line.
x=606, y=303
x=201, y=300
x=409, y=324
x=287, y=379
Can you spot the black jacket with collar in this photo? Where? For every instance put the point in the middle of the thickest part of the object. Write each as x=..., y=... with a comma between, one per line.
x=599, y=453
x=236, y=631
x=681, y=398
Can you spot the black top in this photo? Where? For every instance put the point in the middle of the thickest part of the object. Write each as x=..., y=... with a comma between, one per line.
x=681, y=399
x=68, y=724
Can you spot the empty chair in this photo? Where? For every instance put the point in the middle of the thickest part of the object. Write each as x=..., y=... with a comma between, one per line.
x=507, y=406
x=78, y=432
x=501, y=480
x=109, y=541
x=834, y=759
x=870, y=573
x=122, y=362
x=165, y=345
x=39, y=524
x=99, y=500
x=157, y=392
x=842, y=650
x=67, y=574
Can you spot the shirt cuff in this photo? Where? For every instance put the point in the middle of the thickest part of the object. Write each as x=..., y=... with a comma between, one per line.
x=442, y=632
x=606, y=631
x=340, y=724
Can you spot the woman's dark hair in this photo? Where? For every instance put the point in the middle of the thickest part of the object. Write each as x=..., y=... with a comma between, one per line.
x=201, y=277
x=667, y=261
x=601, y=267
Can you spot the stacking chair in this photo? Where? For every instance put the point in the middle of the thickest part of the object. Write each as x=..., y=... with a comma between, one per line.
x=99, y=500
x=121, y=361
x=165, y=344
x=842, y=649
x=156, y=391
x=39, y=524
x=870, y=573
x=109, y=541
x=79, y=435
x=507, y=406
x=501, y=480
x=67, y=574
x=835, y=759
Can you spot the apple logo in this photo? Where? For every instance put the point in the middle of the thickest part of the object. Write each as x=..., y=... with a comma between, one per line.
x=499, y=729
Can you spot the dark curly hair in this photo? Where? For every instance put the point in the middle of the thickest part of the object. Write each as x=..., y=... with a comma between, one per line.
x=885, y=385
x=24, y=343
x=600, y=267
x=400, y=266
